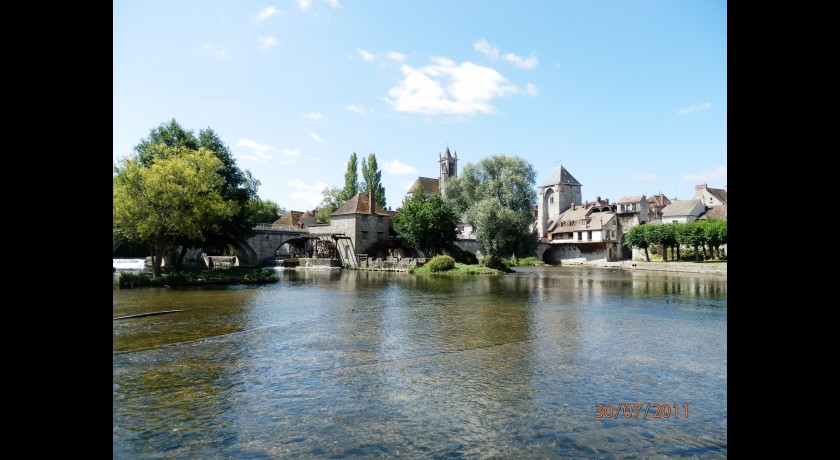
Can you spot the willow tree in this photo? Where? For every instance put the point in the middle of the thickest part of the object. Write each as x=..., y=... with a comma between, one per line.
x=497, y=196
x=175, y=197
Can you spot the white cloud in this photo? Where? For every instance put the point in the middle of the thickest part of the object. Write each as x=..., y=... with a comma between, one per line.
x=446, y=88
x=250, y=150
x=309, y=193
x=304, y=4
x=398, y=167
x=717, y=174
x=367, y=56
x=482, y=46
x=644, y=177
x=312, y=115
x=317, y=137
x=694, y=108
x=396, y=56
x=268, y=42
x=266, y=13
x=333, y=3
x=357, y=108
x=520, y=62
x=291, y=152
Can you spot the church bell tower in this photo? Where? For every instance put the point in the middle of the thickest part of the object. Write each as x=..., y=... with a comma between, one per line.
x=448, y=168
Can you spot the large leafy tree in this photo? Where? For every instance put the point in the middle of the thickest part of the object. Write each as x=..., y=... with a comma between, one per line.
x=237, y=185
x=426, y=223
x=496, y=196
x=175, y=197
x=372, y=177
x=351, y=181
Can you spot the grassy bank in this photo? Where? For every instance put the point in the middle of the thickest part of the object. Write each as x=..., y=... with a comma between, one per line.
x=200, y=277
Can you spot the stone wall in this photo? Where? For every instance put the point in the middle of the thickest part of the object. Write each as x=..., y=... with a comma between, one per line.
x=573, y=253
x=319, y=263
x=391, y=263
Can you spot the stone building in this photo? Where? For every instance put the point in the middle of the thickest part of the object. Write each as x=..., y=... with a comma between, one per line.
x=365, y=224
x=711, y=197
x=555, y=195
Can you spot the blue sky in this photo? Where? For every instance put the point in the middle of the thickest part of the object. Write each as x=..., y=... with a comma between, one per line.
x=629, y=96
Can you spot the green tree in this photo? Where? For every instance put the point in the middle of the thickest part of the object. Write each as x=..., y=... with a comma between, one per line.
x=371, y=177
x=500, y=230
x=715, y=232
x=691, y=234
x=175, y=197
x=329, y=203
x=426, y=223
x=669, y=240
x=264, y=211
x=637, y=237
x=238, y=185
x=496, y=196
x=351, y=181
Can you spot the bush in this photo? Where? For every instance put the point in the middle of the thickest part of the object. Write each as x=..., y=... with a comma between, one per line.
x=441, y=264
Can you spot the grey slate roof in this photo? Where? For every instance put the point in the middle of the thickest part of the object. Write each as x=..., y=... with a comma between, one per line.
x=559, y=176
x=680, y=207
x=715, y=212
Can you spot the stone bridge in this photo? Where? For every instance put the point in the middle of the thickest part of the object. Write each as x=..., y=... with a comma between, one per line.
x=268, y=239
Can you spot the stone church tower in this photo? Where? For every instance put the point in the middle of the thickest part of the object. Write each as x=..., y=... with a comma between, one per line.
x=554, y=196
x=448, y=168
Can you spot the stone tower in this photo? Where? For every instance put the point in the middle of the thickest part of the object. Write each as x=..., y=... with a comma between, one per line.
x=554, y=196
x=448, y=168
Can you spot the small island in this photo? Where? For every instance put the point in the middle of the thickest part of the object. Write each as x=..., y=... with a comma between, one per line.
x=196, y=277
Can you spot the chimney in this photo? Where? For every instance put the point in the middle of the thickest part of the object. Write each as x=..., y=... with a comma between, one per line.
x=573, y=206
x=371, y=195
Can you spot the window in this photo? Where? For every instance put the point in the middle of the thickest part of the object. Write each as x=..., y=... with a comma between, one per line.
x=579, y=236
x=364, y=217
x=711, y=199
x=364, y=235
x=379, y=219
x=551, y=200
x=589, y=235
x=380, y=234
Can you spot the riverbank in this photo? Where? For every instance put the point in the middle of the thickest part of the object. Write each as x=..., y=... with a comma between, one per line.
x=712, y=268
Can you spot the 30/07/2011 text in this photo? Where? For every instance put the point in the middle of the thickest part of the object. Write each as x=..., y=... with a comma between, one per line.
x=634, y=410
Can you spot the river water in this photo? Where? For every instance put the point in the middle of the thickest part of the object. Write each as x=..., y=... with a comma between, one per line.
x=341, y=363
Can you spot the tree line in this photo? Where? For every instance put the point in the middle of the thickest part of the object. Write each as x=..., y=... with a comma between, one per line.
x=699, y=235
x=179, y=190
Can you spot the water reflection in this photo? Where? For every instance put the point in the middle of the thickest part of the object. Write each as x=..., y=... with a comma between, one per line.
x=345, y=363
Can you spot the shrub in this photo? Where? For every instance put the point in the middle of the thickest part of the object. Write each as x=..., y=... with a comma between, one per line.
x=441, y=264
